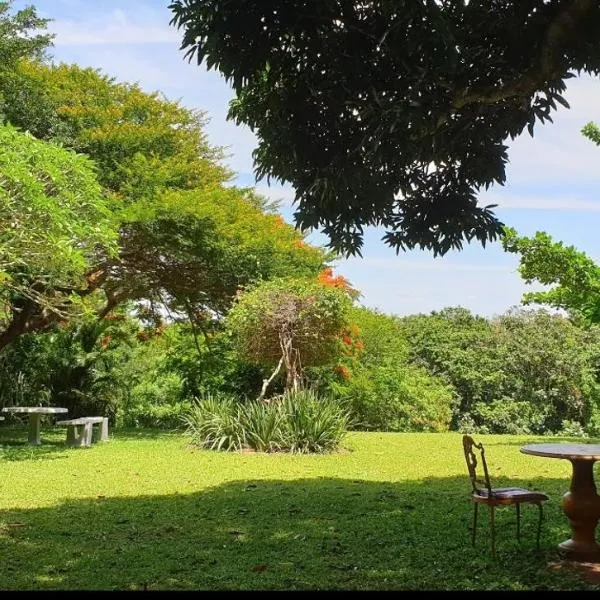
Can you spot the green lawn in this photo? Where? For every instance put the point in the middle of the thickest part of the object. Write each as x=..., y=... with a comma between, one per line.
x=146, y=511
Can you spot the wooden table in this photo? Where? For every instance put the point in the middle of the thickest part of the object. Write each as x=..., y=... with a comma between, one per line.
x=35, y=417
x=581, y=504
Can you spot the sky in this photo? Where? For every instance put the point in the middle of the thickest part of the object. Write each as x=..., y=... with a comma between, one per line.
x=553, y=179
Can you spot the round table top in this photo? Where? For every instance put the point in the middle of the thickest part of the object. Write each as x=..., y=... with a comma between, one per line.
x=40, y=410
x=570, y=451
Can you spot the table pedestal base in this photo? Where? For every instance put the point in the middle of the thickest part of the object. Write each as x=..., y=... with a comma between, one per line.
x=581, y=505
x=33, y=437
x=581, y=552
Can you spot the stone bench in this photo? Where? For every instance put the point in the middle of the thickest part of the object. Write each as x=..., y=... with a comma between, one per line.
x=80, y=431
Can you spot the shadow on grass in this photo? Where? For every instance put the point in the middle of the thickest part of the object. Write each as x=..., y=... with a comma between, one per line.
x=14, y=445
x=304, y=534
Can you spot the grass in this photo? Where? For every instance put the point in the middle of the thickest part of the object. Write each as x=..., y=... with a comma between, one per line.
x=145, y=511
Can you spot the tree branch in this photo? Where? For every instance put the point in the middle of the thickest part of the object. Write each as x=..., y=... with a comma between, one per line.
x=560, y=31
x=266, y=382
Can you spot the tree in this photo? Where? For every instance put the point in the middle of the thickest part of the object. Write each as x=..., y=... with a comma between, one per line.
x=392, y=112
x=574, y=275
x=21, y=35
x=187, y=240
x=55, y=223
x=383, y=389
x=290, y=323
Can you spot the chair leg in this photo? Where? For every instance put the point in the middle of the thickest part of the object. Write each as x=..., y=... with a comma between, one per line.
x=492, y=530
x=518, y=522
x=539, y=524
x=475, y=505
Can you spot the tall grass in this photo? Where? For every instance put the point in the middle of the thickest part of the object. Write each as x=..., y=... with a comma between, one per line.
x=215, y=423
x=298, y=422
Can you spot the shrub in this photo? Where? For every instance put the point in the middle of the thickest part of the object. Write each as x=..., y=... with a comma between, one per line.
x=214, y=422
x=506, y=416
x=155, y=401
x=397, y=397
x=310, y=422
x=262, y=425
x=162, y=416
x=297, y=422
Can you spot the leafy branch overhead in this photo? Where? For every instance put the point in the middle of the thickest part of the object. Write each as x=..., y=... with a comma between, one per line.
x=392, y=113
x=574, y=275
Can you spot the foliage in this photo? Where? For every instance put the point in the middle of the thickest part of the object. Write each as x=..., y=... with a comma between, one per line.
x=574, y=275
x=157, y=413
x=592, y=132
x=392, y=113
x=294, y=322
x=383, y=390
x=505, y=415
x=215, y=422
x=22, y=35
x=391, y=514
x=187, y=239
x=207, y=362
x=458, y=347
x=395, y=397
x=528, y=356
x=311, y=423
x=296, y=422
x=81, y=367
x=55, y=225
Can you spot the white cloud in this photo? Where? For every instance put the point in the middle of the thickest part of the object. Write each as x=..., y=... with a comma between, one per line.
x=115, y=28
x=526, y=202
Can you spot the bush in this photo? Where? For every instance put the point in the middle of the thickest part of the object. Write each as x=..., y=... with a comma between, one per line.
x=506, y=416
x=311, y=423
x=155, y=401
x=162, y=416
x=399, y=397
x=298, y=422
x=215, y=422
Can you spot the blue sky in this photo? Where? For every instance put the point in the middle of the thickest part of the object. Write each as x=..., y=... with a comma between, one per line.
x=553, y=179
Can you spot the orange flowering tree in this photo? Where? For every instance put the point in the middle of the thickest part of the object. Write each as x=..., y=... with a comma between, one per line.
x=290, y=324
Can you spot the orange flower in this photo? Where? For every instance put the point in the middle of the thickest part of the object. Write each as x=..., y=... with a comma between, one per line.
x=343, y=371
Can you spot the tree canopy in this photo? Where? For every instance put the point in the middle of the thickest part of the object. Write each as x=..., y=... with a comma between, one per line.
x=187, y=238
x=55, y=222
x=575, y=277
x=294, y=323
x=392, y=112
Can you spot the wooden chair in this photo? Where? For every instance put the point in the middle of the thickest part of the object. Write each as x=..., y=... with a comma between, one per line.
x=484, y=493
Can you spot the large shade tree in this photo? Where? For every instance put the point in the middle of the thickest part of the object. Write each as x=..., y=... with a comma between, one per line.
x=187, y=238
x=392, y=112
x=54, y=223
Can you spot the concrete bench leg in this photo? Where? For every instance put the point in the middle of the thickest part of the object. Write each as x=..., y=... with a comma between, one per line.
x=79, y=436
x=100, y=433
x=104, y=430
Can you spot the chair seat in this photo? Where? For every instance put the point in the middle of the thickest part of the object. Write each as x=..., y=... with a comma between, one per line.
x=510, y=494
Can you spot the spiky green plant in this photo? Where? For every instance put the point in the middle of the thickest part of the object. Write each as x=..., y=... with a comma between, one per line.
x=214, y=422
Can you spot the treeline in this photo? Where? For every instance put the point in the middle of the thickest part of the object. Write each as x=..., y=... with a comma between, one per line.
x=527, y=371
x=137, y=282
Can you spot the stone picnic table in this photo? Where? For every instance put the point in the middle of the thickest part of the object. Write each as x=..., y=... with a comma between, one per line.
x=35, y=417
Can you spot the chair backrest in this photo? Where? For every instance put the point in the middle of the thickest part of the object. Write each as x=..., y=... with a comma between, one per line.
x=470, y=456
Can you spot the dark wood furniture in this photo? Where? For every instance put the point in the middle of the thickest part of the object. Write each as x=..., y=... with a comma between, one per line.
x=581, y=504
x=484, y=493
